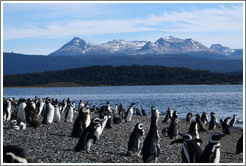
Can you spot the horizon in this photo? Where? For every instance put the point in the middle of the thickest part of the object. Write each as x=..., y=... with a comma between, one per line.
x=45, y=27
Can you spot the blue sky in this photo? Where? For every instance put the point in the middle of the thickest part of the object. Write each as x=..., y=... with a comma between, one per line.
x=41, y=28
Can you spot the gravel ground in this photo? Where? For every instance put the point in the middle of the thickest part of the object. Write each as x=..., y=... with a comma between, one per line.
x=52, y=143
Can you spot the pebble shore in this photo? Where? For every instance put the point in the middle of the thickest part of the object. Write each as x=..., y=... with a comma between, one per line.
x=52, y=143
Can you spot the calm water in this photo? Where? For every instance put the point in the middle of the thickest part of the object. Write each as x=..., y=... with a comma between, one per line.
x=224, y=100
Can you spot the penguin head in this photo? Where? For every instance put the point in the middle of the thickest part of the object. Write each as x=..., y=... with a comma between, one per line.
x=139, y=126
x=205, y=113
x=215, y=137
x=96, y=122
x=226, y=119
x=212, y=113
x=221, y=120
x=186, y=137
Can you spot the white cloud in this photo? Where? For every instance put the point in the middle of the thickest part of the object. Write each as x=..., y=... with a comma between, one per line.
x=215, y=20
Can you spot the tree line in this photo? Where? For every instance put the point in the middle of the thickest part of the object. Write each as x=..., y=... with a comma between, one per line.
x=122, y=75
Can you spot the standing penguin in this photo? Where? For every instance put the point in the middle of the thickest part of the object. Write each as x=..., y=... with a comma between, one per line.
x=64, y=106
x=168, y=116
x=204, y=117
x=21, y=117
x=233, y=120
x=211, y=153
x=48, y=112
x=40, y=106
x=135, y=142
x=16, y=154
x=224, y=126
x=143, y=111
x=239, y=148
x=213, y=122
x=151, y=145
x=31, y=115
x=191, y=151
x=7, y=110
x=188, y=117
x=172, y=130
x=137, y=111
x=200, y=123
x=81, y=122
x=91, y=134
x=81, y=104
x=69, y=113
x=57, y=114
x=193, y=130
x=129, y=113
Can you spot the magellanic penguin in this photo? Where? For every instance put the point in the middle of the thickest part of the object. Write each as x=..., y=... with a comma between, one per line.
x=188, y=117
x=48, y=112
x=143, y=111
x=151, y=145
x=213, y=122
x=31, y=115
x=168, y=116
x=57, y=113
x=239, y=148
x=16, y=154
x=233, y=120
x=64, y=106
x=91, y=134
x=7, y=111
x=135, y=142
x=40, y=106
x=193, y=130
x=81, y=104
x=204, y=117
x=137, y=111
x=81, y=122
x=129, y=113
x=69, y=113
x=21, y=117
x=116, y=116
x=211, y=153
x=172, y=130
x=191, y=151
x=224, y=126
x=200, y=123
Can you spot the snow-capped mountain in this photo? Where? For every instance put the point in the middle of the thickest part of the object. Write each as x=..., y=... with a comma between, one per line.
x=218, y=48
x=167, y=45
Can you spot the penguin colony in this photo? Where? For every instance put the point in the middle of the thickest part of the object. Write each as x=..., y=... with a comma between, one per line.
x=42, y=112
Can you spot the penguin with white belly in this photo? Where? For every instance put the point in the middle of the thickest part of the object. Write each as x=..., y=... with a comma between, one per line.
x=21, y=117
x=57, y=114
x=129, y=113
x=7, y=110
x=135, y=142
x=211, y=153
x=48, y=112
x=191, y=151
x=91, y=134
x=69, y=113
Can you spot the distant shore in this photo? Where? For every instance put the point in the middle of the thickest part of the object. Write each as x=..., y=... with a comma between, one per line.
x=53, y=144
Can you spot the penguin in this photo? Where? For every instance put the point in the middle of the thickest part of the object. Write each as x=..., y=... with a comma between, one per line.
x=57, y=114
x=233, y=120
x=224, y=126
x=109, y=121
x=137, y=111
x=21, y=117
x=204, y=117
x=48, y=112
x=239, y=148
x=40, y=106
x=14, y=108
x=21, y=126
x=64, y=106
x=193, y=130
x=16, y=154
x=200, y=123
x=172, y=130
x=143, y=111
x=129, y=114
x=7, y=111
x=32, y=118
x=168, y=116
x=135, y=142
x=213, y=122
x=116, y=118
x=91, y=134
x=81, y=122
x=211, y=153
x=151, y=145
x=188, y=117
x=32, y=103
x=191, y=151
x=69, y=113
x=81, y=104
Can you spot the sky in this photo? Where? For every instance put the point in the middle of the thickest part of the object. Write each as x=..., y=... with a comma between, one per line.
x=42, y=28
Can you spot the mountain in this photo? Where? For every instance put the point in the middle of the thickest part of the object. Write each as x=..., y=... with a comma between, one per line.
x=233, y=53
x=163, y=46
x=18, y=63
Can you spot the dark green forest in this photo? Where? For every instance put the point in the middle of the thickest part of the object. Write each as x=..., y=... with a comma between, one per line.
x=121, y=75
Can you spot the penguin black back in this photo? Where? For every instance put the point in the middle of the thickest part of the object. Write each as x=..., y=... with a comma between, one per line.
x=239, y=148
x=212, y=123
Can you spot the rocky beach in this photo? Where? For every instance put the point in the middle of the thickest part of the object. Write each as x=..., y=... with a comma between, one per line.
x=52, y=143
